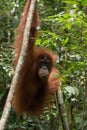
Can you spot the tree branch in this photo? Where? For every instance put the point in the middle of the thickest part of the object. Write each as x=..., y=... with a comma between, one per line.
x=12, y=90
x=61, y=108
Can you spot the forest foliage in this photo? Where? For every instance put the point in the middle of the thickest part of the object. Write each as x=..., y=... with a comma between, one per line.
x=63, y=29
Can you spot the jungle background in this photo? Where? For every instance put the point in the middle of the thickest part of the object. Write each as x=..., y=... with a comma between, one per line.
x=63, y=29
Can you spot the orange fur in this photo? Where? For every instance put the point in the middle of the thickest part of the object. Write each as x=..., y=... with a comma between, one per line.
x=31, y=93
